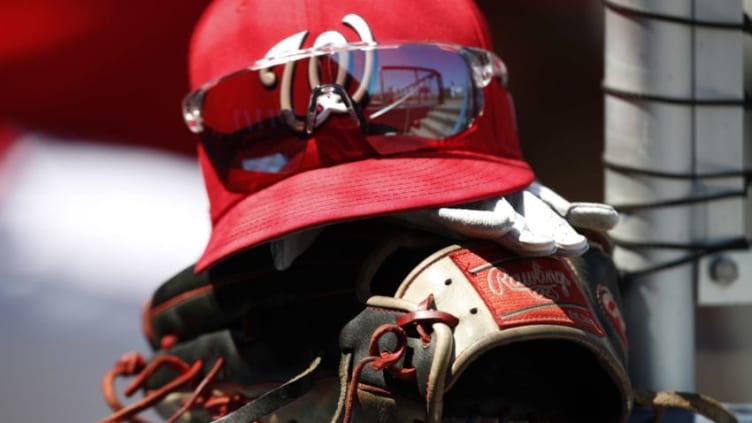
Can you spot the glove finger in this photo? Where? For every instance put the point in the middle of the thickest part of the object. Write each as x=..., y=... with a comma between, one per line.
x=550, y=197
x=485, y=224
x=542, y=220
x=595, y=216
x=523, y=241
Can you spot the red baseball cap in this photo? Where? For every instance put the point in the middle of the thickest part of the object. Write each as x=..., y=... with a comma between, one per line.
x=232, y=34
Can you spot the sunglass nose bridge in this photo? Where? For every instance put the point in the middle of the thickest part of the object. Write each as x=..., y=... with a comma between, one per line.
x=325, y=100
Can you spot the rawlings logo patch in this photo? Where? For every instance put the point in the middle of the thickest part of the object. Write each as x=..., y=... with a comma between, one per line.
x=529, y=291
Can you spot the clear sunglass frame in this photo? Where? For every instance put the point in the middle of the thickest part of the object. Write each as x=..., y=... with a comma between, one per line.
x=485, y=66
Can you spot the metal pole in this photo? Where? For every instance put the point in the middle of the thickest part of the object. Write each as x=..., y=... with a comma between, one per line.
x=665, y=93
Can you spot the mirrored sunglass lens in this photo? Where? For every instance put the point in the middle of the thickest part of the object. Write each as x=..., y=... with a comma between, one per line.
x=420, y=91
x=244, y=128
x=240, y=101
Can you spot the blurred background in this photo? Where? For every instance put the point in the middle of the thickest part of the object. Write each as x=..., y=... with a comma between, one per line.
x=101, y=199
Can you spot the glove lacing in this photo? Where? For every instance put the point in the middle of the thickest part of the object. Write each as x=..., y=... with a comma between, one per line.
x=379, y=360
x=422, y=317
x=134, y=364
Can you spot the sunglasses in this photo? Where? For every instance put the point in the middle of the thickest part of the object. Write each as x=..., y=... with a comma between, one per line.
x=329, y=105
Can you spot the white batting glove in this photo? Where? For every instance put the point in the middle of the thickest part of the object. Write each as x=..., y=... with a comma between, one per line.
x=532, y=222
x=596, y=216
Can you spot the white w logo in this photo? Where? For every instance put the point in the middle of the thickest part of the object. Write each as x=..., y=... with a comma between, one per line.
x=332, y=102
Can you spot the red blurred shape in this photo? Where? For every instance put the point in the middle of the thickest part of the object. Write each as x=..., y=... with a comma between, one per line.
x=107, y=70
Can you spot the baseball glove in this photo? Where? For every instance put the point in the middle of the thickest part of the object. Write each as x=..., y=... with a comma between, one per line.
x=450, y=332
x=475, y=333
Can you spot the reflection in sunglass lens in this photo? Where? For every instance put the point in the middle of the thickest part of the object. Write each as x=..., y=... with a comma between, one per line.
x=425, y=92
x=410, y=94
